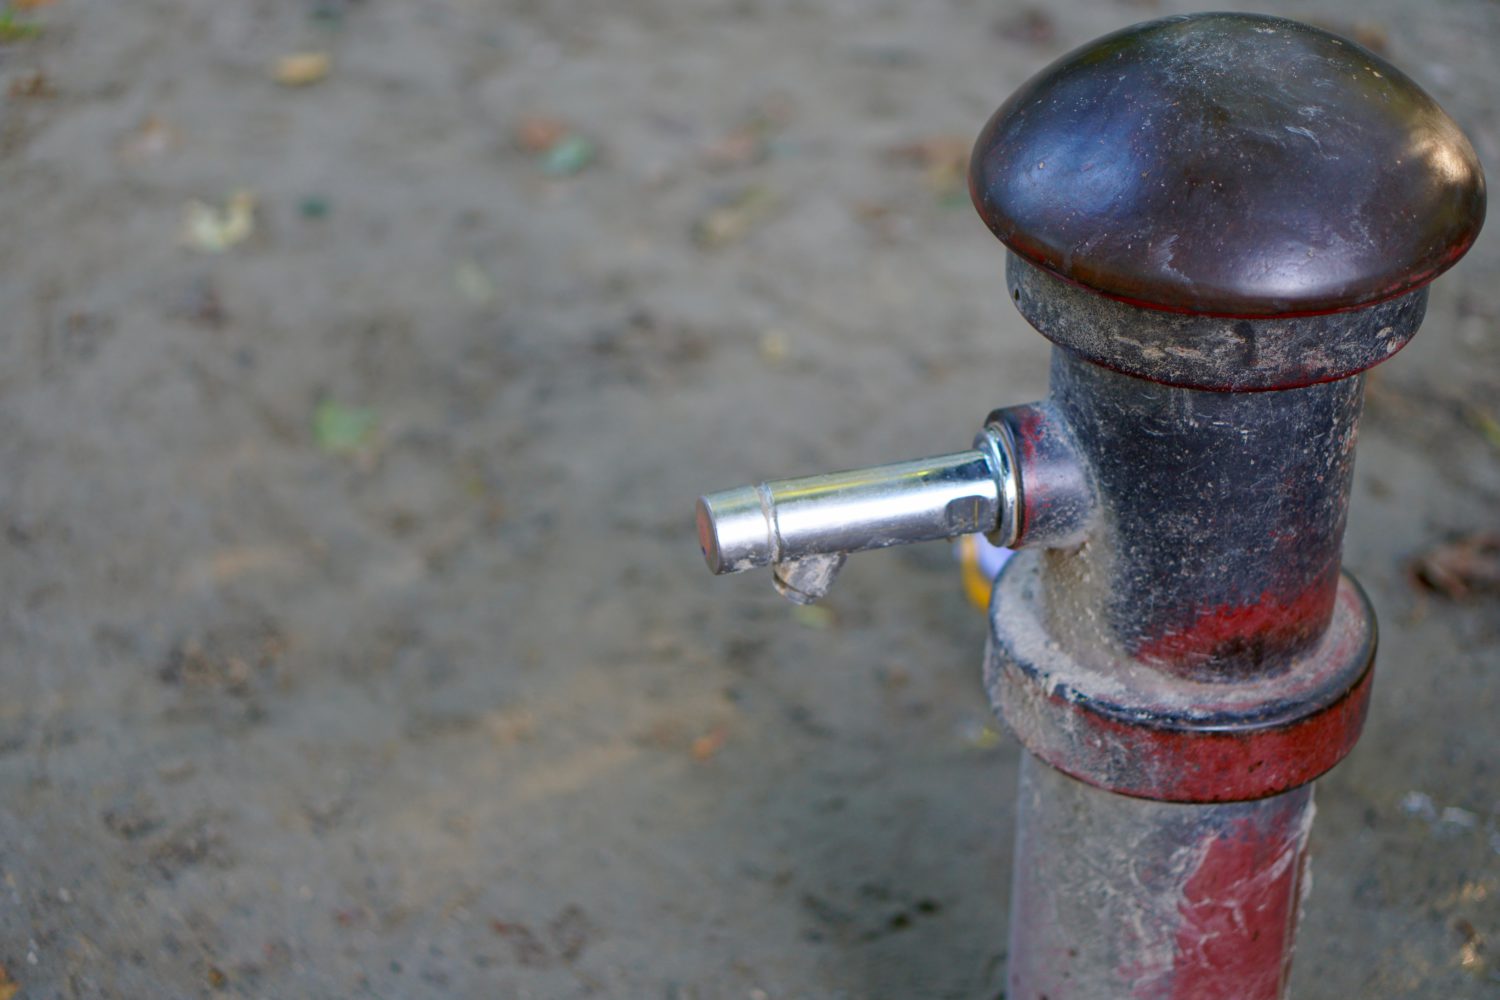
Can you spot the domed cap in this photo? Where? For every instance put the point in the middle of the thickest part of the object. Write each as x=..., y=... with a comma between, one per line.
x=1229, y=165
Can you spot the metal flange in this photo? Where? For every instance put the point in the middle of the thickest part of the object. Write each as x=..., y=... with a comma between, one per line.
x=1134, y=730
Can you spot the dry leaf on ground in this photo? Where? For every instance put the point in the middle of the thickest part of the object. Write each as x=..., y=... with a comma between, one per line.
x=215, y=230
x=301, y=69
x=1461, y=568
x=539, y=133
x=710, y=743
x=732, y=222
x=152, y=139
x=1029, y=26
x=33, y=85
x=742, y=147
x=945, y=159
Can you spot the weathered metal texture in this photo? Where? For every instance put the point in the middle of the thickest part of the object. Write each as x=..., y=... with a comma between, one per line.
x=1230, y=165
x=1115, y=898
x=1196, y=644
x=1212, y=352
x=1124, y=726
x=1215, y=552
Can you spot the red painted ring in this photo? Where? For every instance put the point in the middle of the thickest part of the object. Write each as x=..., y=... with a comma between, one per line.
x=1130, y=729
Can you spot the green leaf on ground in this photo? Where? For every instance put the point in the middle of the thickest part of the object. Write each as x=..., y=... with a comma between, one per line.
x=1487, y=425
x=474, y=283
x=13, y=29
x=569, y=156
x=340, y=429
x=812, y=616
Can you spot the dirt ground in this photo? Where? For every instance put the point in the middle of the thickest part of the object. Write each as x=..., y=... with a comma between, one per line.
x=355, y=638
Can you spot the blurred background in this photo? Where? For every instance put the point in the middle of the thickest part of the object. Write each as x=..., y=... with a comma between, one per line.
x=362, y=362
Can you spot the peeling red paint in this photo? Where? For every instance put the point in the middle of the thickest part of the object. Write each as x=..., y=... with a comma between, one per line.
x=1239, y=913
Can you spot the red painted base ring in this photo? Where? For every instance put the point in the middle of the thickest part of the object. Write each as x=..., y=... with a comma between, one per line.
x=1126, y=727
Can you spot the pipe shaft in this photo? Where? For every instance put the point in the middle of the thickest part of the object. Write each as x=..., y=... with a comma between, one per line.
x=1118, y=898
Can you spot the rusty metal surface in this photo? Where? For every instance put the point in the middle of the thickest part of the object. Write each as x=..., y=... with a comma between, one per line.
x=1117, y=898
x=1231, y=165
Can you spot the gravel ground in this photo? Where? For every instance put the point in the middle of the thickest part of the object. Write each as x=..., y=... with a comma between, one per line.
x=355, y=640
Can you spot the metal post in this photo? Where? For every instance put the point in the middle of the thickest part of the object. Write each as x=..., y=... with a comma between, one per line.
x=1220, y=221
x=1181, y=677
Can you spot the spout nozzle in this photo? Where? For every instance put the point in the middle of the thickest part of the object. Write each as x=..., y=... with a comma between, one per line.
x=800, y=525
x=803, y=528
x=735, y=530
